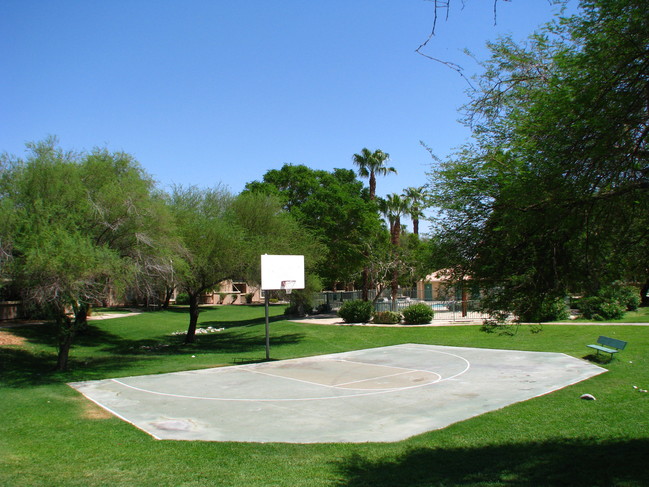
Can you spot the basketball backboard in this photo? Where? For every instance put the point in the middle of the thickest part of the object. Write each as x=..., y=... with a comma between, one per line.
x=277, y=270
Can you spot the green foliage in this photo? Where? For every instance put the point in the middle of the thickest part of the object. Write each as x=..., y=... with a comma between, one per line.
x=182, y=298
x=416, y=202
x=610, y=303
x=626, y=296
x=302, y=299
x=386, y=317
x=548, y=309
x=551, y=196
x=370, y=164
x=223, y=237
x=335, y=210
x=356, y=311
x=417, y=314
x=599, y=308
x=84, y=228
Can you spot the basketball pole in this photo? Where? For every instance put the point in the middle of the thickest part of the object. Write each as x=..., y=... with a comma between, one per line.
x=267, y=301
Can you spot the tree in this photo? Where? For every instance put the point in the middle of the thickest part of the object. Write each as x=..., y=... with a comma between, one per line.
x=415, y=201
x=130, y=215
x=552, y=195
x=334, y=208
x=371, y=164
x=212, y=244
x=393, y=207
x=224, y=236
x=7, y=224
x=80, y=223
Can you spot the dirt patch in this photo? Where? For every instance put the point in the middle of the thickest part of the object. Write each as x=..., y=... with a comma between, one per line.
x=8, y=338
x=92, y=411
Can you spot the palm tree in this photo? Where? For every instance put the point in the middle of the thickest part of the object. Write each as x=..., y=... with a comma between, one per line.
x=393, y=206
x=372, y=163
x=416, y=204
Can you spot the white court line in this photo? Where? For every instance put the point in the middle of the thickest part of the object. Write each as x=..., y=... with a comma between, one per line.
x=324, y=398
x=337, y=386
x=439, y=377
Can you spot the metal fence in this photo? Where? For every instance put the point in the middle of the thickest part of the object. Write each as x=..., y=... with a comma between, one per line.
x=444, y=310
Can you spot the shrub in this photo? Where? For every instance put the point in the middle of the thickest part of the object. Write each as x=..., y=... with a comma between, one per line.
x=610, y=303
x=627, y=296
x=323, y=308
x=294, y=310
x=386, y=317
x=182, y=298
x=599, y=308
x=356, y=311
x=549, y=309
x=417, y=314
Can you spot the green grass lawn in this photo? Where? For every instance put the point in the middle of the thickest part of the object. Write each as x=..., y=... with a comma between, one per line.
x=52, y=436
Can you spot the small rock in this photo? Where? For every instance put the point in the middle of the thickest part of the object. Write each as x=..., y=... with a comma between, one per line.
x=588, y=397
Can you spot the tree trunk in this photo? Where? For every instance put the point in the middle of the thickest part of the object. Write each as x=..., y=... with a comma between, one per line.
x=81, y=318
x=415, y=226
x=395, y=288
x=168, y=294
x=66, y=331
x=644, y=299
x=372, y=186
x=193, y=317
x=366, y=279
x=395, y=237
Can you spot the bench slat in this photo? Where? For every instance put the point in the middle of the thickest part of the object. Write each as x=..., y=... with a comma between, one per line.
x=611, y=342
x=603, y=349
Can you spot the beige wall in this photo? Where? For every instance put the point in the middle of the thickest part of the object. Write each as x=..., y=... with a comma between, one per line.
x=235, y=293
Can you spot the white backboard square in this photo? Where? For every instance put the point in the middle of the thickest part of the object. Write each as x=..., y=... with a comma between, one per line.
x=278, y=268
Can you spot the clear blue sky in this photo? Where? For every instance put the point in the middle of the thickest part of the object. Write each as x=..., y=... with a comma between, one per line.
x=213, y=91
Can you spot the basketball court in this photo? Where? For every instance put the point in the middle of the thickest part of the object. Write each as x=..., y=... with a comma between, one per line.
x=374, y=395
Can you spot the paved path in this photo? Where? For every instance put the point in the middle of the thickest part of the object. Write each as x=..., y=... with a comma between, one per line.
x=330, y=319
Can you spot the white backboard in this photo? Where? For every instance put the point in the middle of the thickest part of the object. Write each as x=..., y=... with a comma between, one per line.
x=278, y=268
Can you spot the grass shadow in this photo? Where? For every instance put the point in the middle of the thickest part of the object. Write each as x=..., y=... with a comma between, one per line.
x=241, y=323
x=598, y=359
x=24, y=368
x=223, y=342
x=551, y=463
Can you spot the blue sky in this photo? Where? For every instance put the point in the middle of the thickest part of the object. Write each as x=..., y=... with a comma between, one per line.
x=207, y=92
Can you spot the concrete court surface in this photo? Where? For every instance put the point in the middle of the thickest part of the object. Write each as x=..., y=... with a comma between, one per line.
x=374, y=395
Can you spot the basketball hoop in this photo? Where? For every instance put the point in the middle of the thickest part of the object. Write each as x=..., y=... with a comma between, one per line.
x=287, y=286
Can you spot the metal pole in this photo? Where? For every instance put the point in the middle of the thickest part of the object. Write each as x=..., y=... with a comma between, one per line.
x=267, y=300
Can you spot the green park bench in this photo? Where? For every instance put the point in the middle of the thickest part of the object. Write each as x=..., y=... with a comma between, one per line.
x=608, y=345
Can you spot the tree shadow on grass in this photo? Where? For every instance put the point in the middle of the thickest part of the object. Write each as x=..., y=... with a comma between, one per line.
x=551, y=463
x=219, y=342
x=21, y=366
x=25, y=368
x=241, y=323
